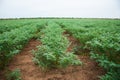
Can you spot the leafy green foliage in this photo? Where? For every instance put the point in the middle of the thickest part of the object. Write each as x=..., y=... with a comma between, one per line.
x=101, y=37
x=13, y=41
x=113, y=69
x=8, y=25
x=14, y=75
x=111, y=75
x=52, y=53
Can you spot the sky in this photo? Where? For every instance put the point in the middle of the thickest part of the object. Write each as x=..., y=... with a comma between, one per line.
x=60, y=8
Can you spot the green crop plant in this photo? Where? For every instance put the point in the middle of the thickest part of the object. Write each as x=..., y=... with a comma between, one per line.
x=112, y=68
x=14, y=75
x=101, y=37
x=12, y=42
x=52, y=53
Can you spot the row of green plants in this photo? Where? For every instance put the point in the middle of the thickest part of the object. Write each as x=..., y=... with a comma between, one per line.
x=107, y=47
x=103, y=41
x=52, y=53
x=12, y=42
x=8, y=25
x=112, y=68
x=14, y=39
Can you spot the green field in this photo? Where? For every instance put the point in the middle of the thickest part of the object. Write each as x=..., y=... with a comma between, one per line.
x=99, y=37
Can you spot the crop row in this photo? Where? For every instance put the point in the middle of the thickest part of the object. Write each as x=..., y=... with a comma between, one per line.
x=8, y=25
x=52, y=53
x=11, y=42
x=102, y=41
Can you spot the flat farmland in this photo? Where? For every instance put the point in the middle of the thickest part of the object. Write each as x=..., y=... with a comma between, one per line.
x=60, y=49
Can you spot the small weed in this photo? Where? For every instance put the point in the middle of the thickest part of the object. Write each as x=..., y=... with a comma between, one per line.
x=14, y=75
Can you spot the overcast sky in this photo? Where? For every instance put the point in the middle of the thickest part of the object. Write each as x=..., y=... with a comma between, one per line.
x=60, y=8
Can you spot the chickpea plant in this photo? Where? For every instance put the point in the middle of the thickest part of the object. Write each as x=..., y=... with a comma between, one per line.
x=52, y=53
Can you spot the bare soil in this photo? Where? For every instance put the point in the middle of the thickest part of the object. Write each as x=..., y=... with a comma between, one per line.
x=73, y=43
x=29, y=71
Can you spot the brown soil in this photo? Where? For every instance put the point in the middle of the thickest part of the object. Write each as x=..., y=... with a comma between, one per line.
x=29, y=71
x=73, y=43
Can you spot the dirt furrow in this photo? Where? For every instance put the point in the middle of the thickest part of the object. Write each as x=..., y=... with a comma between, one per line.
x=23, y=61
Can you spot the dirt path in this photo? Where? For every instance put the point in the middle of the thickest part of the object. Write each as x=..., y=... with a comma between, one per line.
x=29, y=71
x=23, y=61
